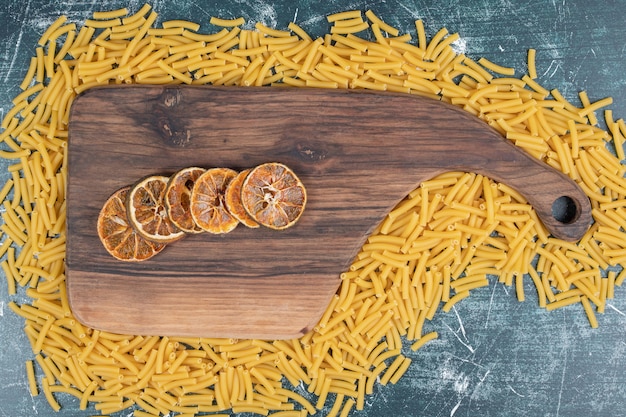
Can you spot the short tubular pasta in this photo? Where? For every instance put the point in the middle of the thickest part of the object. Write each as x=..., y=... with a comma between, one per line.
x=227, y=22
x=452, y=235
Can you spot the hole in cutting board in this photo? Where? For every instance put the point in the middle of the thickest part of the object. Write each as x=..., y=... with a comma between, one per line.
x=565, y=209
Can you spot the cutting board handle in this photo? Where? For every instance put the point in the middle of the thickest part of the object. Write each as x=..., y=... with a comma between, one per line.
x=560, y=203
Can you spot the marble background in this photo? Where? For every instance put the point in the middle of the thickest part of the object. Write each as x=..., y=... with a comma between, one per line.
x=495, y=356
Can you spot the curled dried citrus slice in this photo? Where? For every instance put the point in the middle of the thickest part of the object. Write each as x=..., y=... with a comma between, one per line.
x=178, y=198
x=147, y=212
x=207, y=201
x=273, y=195
x=117, y=235
x=233, y=200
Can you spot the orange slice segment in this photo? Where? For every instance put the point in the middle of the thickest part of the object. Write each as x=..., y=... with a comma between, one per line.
x=147, y=212
x=233, y=200
x=117, y=235
x=178, y=198
x=273, y=195
x=207, y=201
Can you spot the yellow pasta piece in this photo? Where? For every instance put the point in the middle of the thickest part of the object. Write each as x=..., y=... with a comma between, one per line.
x=344, y=30
x=562, y=303
x=51, y=29
x=404, y=366
x=595, y=106
x=193, y=26
x=532, y=67
x=397, y=362
x=384, y=26
x=227, y=22
x=111, y=14
x=348, y=22
x=32, y=382
x=102, y=24
x=495, y=67
x=350, y=14
x=48, y=394
x=585, y=101
x=30, y=73
x=174, y=73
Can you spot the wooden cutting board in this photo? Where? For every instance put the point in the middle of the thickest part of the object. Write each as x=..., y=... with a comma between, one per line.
x=357, y=153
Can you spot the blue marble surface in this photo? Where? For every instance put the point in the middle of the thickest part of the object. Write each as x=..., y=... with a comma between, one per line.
x=495, y=356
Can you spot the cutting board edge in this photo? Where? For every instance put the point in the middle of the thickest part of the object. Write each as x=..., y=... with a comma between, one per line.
x=249, y=332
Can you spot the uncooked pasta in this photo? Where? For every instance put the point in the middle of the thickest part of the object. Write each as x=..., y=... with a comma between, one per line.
x=451, y=235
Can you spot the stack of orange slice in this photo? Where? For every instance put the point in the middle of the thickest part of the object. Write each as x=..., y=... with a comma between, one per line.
x=138, y=221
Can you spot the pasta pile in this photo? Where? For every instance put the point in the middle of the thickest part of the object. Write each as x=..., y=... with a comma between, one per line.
x=445, y=239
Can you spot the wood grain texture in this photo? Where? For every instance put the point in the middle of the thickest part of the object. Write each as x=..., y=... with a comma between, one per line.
x=357, y=153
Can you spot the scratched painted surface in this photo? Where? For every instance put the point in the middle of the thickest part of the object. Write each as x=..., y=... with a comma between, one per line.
x=495, y=356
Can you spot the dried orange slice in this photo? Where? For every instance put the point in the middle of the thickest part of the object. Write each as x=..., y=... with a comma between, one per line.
x=207, y=201
x=233, y=200
x=273, y=195
x=117, y=235
x=178, y=198
x=147, y=212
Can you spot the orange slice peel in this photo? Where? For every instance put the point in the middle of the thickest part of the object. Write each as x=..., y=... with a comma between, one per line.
x=208, y=207
x=233, y=200
x=178, y=198
x=147, y=212
x=273, y=195
x=117, y=235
